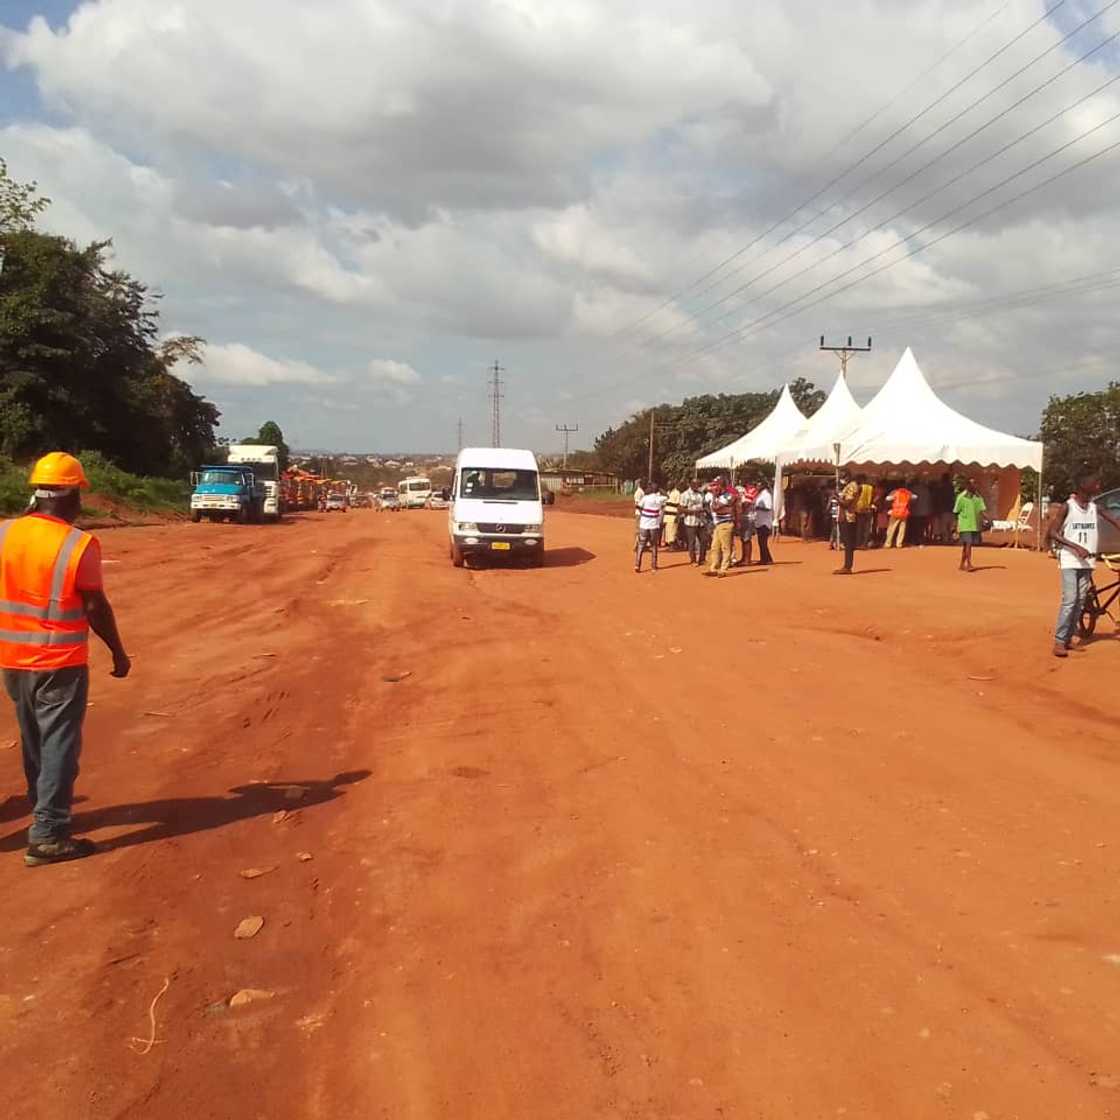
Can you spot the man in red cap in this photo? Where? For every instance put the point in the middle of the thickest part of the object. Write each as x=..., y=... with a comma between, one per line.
x=51, y=596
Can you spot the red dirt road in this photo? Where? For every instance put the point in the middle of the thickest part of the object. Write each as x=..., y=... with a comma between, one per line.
x=777, y=846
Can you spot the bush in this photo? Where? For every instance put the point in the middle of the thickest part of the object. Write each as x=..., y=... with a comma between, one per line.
x=139, y=491
x=149, y=495
x=13, y=487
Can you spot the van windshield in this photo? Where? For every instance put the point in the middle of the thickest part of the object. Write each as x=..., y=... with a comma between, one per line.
x=420, y=484
x=498, y=484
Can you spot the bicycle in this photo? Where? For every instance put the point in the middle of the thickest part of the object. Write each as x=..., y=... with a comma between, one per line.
x=1099, y=600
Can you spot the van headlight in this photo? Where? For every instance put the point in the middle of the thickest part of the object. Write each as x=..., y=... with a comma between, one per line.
x=531, y=528
x=466, y=527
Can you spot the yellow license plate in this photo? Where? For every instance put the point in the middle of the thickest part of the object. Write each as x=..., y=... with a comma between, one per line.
x=500, y=546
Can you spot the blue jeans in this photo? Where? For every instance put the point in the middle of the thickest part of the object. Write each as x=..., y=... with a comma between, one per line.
x=50, y=707
x=1075, y=586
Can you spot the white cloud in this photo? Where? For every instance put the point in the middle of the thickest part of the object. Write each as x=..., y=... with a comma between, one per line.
x=234, y=363
x=450, y=181
x=385, y=371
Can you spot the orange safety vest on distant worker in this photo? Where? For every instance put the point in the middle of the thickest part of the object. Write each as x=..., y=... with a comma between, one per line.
x=43, y=622
x=900, y=506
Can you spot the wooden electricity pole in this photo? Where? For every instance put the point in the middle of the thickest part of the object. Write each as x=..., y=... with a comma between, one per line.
x=847, y=352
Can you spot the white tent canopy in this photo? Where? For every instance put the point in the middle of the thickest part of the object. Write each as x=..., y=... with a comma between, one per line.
x=814, y=442
x=764, y=441
x=906, y=422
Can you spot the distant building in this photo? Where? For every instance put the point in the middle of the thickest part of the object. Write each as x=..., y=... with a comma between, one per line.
x=573, y=479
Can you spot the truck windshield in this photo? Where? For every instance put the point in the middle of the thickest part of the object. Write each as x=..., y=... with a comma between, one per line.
x=229, y=478
x=497, y=484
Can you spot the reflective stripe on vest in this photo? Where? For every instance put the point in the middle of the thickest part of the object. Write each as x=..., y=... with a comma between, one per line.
x=43, y=637
x=56, y=633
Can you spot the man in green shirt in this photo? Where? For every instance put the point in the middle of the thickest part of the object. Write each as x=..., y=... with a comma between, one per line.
x=969, y=509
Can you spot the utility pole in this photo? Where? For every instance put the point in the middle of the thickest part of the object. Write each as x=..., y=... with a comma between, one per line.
x=652, y=418
x=459, y=434
x=847, y=352
x=567, y=432
x=496, y=395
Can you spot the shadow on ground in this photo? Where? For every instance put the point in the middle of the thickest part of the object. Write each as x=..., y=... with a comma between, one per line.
x=180, y=816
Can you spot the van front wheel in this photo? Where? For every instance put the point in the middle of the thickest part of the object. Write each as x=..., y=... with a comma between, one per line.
x=456, y=555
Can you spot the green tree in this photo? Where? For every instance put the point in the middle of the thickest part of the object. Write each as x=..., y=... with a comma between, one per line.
x=19, y=206
x=82, y=367
x=270, y=435
x=1081, y=433
x=691, y=429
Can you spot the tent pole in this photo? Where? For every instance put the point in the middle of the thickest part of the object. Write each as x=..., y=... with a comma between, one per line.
x=1038, y=505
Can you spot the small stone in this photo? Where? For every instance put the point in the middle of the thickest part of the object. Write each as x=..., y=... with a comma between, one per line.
x=924, y=1032
x=255, y=872
x=303, y=857
x=249, y=927
x=944, y=1090
x=280, y=816
x=249, y=995
x=15, y=743
x=980, y=1116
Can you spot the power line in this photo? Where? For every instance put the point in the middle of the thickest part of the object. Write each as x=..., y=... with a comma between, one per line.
x=929, y=244
x=925, y=198
x=926, y=166
x=862, y=160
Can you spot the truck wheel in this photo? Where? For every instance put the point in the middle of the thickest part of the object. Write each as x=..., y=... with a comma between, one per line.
x=196, y=515
x=242, y=516
x=456, y=556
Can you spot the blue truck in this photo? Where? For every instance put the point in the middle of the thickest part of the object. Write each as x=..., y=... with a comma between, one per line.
x=228, y=491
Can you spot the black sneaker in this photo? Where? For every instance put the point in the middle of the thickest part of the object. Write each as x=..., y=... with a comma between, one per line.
x=58, y=851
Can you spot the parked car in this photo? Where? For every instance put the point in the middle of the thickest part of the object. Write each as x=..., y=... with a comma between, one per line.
x=336, y=502
x=437, y=501
x=390, y=502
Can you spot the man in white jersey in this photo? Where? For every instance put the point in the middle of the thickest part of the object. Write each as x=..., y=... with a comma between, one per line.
x=650, y=512
x=1073, y=528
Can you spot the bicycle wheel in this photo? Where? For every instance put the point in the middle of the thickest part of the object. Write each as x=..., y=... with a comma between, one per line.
x=1087, y=623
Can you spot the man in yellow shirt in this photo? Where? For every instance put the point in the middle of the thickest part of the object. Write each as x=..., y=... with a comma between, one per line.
x=865, y=510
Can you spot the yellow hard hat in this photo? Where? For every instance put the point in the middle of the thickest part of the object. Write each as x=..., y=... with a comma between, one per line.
x=57, y=469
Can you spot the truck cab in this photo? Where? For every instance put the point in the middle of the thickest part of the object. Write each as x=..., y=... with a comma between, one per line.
x=264, y=461
x=226, y=491
x=496, y=506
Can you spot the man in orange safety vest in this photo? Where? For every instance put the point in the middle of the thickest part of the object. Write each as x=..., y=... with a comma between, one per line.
x=51, y=596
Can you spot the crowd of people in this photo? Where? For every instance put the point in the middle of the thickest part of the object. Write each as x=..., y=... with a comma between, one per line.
x=706, y=521
x=891, y=513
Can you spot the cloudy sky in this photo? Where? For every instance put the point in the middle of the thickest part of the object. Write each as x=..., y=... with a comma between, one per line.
x=360, y=204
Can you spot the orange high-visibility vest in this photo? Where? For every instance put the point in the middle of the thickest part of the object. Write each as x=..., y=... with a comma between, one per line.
x=43, y=622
